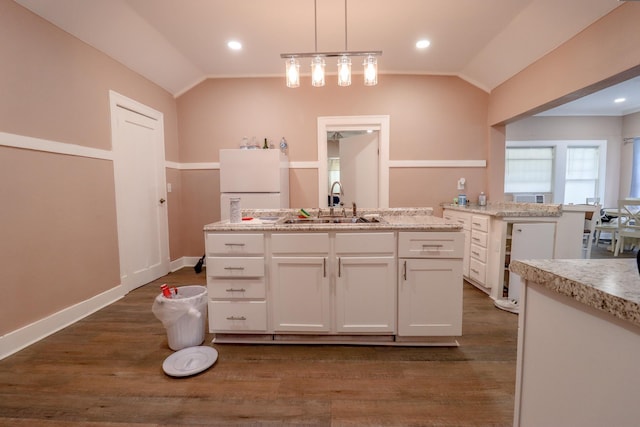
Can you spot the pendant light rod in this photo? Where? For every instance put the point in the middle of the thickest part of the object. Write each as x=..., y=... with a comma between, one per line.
x=345, y=25
x=331, y=54
x=315, y=24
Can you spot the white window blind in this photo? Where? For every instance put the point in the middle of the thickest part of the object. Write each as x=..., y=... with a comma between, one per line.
x=581, y=177
x=528, y=170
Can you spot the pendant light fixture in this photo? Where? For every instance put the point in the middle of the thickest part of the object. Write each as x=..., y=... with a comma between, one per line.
x=318, y=63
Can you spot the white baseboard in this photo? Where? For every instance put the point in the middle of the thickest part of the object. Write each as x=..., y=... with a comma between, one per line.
x=17, y=340
x=185, y=261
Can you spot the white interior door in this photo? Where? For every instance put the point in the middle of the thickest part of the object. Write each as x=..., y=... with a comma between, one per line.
x=359, y=170
x=143, y=238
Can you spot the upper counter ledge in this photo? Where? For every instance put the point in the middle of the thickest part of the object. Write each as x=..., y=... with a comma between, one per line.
x=414, y=219
x=612, y=286
x=510, y=209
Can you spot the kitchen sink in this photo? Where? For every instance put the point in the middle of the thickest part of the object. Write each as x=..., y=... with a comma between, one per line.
x=333, y=220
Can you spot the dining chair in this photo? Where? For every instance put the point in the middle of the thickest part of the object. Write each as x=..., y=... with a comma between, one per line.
x=628, y=222
x=591, y=219
x=610, y=227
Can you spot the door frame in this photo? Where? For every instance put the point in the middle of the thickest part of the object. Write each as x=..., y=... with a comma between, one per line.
x=116, y=101
x=344, y=123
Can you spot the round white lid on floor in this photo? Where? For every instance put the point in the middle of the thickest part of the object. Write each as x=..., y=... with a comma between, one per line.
x=190, y=361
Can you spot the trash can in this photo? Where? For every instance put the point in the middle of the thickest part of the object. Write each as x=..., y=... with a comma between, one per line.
x=184, y=316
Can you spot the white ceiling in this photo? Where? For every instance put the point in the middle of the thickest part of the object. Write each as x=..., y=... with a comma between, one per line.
x=177, y=44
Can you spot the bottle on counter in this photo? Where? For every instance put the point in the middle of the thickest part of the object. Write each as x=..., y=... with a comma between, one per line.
x=482, y=199
x=462, y=199
x=265, y=146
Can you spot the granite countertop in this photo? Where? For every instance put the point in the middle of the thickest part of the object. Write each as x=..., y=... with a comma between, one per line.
x=510, y=209
x=612, y=286
x=411, y=219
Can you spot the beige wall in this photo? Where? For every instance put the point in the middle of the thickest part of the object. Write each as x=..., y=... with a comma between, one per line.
x=59, y=239
x=431, y=118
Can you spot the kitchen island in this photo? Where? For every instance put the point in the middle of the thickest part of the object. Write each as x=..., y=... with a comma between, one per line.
x=578, y=343
x=383, y=277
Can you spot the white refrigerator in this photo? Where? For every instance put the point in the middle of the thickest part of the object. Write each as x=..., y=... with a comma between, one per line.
x=260, y=178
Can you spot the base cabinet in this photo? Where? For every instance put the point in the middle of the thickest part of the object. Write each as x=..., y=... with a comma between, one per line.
x=300, y=294
x=381, y=287
x=430, y=284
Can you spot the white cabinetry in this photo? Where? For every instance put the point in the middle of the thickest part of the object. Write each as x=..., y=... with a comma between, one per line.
x=527, y=241
x=235, y=282
x=479, y=249
x=463, y=219
x=430, y=284
x=300, y=294
x=365, y=282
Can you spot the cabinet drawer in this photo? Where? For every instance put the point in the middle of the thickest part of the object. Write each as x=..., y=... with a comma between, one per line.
x=361, y=243
x=479, y=253
x=234, y=244
x=479, y=238
x=459, y=218
x=300, y=243
x=480, y=223
x=235, y=266
x=224, y=288
x=232, y=316
x=431, y=245
x=477, y=271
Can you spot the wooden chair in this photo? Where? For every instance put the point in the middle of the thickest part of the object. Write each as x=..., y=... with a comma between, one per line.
x=628, y=222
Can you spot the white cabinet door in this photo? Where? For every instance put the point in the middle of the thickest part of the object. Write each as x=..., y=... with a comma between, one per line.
x=366, y=294
x=300, y=294
x=529, y=241
x=430, y=297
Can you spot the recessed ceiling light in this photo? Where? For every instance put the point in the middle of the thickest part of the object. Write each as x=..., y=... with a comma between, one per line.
x=619, y=100
x=234, y=45
x=423, y=44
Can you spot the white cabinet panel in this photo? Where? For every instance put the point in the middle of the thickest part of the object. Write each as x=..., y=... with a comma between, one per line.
x=430, y=297
x=234, y=244
x=300, y=294
x=235, y=267
x=366, y=294
x=430, y=245
x=238, y=316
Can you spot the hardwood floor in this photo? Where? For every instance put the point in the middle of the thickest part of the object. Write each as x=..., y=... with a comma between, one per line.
x=106, y=370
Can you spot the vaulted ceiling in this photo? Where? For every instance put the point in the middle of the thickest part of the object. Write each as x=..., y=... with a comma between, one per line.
x=177, y=44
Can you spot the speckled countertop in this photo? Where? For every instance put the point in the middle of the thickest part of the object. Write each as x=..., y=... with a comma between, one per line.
x=609, y=285
x=510, y=209
x=412, y=219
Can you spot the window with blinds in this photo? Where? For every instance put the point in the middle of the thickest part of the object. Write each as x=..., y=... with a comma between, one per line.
x=529, y=170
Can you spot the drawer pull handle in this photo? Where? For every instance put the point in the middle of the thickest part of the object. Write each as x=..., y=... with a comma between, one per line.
x=236, y=290
x=431, y=246
x=236, y=318
x=477, y=223
x=234, y=268
x=339, y=267
x=475, y=239
x=404, y=271
x=234, y=244
x=475, y=271
x=475, y=253
x=324, y=267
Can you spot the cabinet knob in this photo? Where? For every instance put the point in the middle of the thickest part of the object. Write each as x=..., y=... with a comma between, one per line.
x=162, y=201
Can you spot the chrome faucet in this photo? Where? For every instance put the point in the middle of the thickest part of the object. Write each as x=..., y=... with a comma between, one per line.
x=331, y=193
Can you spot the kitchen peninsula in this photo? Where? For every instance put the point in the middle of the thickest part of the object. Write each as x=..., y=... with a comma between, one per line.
x=384, y=277
x=502, y=231
x=578, y=343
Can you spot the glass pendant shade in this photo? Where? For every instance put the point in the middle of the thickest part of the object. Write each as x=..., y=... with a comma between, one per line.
x=344, y=71
x=370, y=71
x=317, y=71
x=293, y=73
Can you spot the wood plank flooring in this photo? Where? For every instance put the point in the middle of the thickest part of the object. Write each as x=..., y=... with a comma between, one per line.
x=106, y=370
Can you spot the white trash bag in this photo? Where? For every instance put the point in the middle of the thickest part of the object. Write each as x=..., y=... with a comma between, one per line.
x=184, y=316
